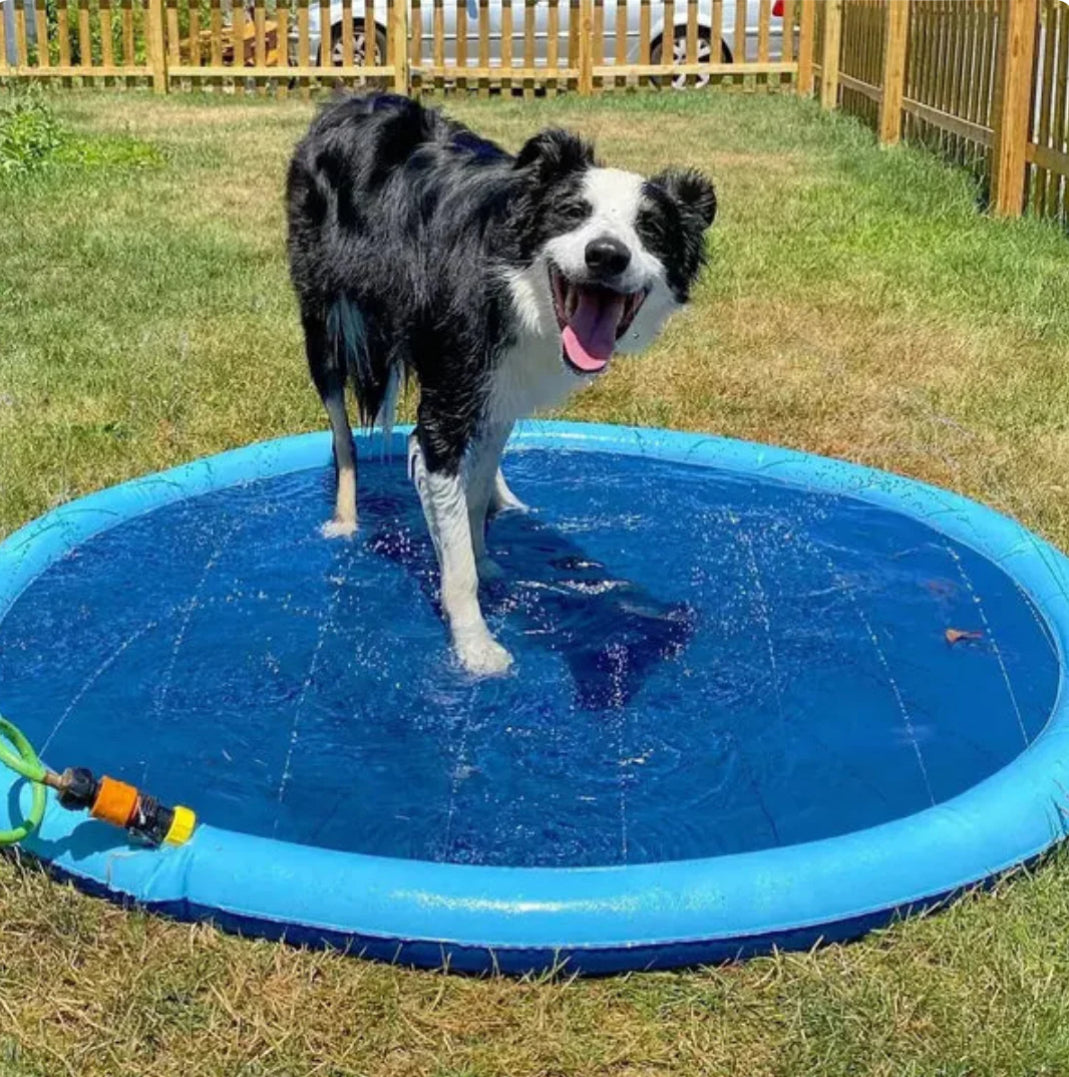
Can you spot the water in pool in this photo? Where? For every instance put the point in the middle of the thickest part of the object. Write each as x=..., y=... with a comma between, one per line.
x=705, y=664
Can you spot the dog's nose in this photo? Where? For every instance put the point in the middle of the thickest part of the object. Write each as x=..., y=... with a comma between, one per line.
x=607, y=257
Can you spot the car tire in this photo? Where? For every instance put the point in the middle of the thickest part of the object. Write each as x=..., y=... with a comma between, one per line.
x=705, y=52
x=359, y=45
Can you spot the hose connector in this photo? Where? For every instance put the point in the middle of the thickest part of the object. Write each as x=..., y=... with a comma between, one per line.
x=123, y=805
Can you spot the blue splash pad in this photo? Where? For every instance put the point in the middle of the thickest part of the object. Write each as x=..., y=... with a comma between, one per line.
x=729, y=661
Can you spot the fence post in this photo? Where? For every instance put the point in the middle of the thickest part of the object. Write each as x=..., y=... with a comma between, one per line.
x=402, y=82
x=896, y=35
x=7, y=19
x=157, y=49
x=1012, y=114
x=829, y=69
x=586, y=50
x=807, y=19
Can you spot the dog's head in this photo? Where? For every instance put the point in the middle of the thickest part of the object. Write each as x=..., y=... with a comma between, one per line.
x=609, y=254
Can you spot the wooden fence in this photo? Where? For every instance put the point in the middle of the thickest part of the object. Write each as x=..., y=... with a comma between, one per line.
x=984, y=82
x=416, y=45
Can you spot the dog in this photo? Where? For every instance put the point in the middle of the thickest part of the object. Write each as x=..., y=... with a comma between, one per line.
x=502, y=283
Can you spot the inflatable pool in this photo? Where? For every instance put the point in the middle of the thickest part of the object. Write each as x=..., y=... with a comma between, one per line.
x=759, y=698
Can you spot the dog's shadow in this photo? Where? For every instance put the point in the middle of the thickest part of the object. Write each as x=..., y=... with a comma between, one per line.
x=612, y=632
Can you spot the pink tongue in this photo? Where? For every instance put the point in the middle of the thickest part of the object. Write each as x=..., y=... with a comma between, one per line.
x=590, y=335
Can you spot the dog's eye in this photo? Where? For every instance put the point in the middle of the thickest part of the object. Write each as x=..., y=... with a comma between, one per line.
x=573, y=212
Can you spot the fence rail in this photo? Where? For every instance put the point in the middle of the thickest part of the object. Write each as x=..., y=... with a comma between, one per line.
x=411, y=45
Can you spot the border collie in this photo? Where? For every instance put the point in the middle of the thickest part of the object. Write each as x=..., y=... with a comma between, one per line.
x=502, y=283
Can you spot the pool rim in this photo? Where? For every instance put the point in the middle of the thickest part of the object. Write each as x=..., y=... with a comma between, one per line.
x=597, y=919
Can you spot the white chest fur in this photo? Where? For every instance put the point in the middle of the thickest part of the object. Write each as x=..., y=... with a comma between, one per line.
x=530, y=377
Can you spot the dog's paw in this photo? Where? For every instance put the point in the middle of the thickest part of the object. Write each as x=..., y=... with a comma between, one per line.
x=503, y=500
x=500, y=506
x=333, y=529
x=483, y=656
x=489, y=570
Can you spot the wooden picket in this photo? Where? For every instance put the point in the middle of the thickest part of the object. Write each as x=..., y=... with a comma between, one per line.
x=807, y=28
x=816, y=21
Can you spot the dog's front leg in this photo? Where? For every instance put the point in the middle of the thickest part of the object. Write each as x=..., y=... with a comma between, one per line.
x=446, y=509
x=482, y=472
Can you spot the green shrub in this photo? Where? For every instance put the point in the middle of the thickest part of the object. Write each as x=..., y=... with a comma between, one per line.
x=31, y=138
x=29, y=131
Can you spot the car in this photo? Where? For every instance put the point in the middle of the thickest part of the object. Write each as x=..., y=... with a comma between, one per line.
x=707, y=50
x=7, y=14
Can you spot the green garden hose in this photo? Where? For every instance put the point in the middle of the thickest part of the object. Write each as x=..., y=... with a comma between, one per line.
x=107, y=799
x=22, y=759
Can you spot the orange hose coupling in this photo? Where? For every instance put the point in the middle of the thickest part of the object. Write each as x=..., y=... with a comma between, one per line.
x=120, y=804
x=115, y=802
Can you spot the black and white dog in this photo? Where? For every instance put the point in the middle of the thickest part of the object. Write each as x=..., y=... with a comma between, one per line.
x=502, y=283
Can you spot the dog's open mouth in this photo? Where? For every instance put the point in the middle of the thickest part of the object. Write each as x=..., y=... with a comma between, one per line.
x=592, y=318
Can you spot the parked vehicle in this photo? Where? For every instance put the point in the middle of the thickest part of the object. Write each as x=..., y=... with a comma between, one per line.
x=7, y=13
x=708, y=50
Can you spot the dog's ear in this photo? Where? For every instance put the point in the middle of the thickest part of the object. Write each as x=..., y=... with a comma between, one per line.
x=691, y=191
x=554, y=153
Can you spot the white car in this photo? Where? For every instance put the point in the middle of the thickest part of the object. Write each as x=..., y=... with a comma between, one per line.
x=708, y=50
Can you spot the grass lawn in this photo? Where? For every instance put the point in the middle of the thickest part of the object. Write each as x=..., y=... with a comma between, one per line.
x=856, y=305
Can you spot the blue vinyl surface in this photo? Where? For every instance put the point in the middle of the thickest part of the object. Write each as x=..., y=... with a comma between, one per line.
x=732, y=671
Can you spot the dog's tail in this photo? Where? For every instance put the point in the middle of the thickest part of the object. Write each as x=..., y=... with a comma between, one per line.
x=375, y=380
